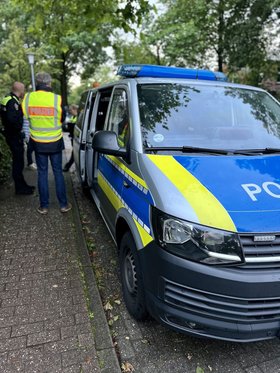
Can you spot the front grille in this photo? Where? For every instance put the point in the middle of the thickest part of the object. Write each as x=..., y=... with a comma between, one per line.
x=221, y=306
x=261, y=254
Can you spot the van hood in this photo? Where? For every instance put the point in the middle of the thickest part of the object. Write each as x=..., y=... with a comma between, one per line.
x=236, y=193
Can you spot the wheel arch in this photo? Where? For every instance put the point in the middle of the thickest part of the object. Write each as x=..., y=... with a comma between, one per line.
x=124, y=223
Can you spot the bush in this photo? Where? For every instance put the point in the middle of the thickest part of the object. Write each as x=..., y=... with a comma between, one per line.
x=5, y=160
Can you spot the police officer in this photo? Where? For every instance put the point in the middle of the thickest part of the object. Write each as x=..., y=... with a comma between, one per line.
x=12, y=119
x=73, y=109
x=44, y=111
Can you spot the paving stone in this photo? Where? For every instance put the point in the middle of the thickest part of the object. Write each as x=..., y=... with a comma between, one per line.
x=72, y=369
x=12, y=344
x=8, y=294
x=81, y=318
x=43, y=337
x=62, y=322
x=62, y=346
x=71, y=357
x=19, y=285
x=15, y=301
x=86, y=340
x=9, y=280
x=5, y=312
x=74, y=330
x=271, y=366
x=44, y=322
x=27, y=329
x=5, y=332
x=254, y=369
x=13, y=320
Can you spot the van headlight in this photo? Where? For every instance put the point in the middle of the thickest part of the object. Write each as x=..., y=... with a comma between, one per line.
x=196, y=242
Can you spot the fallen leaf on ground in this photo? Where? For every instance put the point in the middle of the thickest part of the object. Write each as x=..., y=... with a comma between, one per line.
x=108, y=306
x=127, y=367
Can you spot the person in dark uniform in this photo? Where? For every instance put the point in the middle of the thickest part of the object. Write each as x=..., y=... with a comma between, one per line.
x=12, y=120
x=73, y=109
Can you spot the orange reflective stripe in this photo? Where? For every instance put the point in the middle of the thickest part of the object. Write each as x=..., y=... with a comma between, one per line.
x=41, y=111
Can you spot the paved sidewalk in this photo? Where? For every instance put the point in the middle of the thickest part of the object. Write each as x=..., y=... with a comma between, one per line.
x=51, y=317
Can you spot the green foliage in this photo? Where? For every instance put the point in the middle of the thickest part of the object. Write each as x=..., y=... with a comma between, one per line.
x=75, y=34
x=65, y=35
x=103, y=74
x=5, y=160
x=189, y=32
x=129, y=53
x=14, y=44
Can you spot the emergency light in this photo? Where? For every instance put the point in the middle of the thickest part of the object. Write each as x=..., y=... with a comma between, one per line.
x=154, y=71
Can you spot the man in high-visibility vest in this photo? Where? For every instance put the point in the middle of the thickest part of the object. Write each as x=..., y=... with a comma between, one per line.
x=12, y=119
x=44, y=111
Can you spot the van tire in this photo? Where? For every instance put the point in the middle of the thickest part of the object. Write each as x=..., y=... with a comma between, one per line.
x=131, y=278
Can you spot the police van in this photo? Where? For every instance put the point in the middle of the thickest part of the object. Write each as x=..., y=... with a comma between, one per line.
x=184, y=168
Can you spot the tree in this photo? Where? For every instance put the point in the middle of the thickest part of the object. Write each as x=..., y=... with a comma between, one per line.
x=231, y=30
x=75, y=33
x=133, y=52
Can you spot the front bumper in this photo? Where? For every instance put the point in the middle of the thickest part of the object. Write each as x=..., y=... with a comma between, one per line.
x=228, y=303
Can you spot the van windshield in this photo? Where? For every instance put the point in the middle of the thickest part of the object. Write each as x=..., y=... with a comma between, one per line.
x=216, y=117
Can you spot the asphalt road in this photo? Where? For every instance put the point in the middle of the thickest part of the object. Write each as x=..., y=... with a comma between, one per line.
x=149, y=346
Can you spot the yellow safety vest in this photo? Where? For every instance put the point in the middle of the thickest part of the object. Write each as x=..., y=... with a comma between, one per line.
x=44, y=112
x=73, y=119
x=6, y=99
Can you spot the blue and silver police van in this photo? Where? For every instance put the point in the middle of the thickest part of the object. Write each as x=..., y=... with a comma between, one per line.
x=184, y=168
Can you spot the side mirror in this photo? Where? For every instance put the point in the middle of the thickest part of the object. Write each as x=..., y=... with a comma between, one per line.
x=106, y=142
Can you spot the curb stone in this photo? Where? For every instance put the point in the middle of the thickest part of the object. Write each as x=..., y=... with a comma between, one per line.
x=107, y=356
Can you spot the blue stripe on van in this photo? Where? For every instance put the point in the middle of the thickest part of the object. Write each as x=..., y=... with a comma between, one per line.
x=137, y=200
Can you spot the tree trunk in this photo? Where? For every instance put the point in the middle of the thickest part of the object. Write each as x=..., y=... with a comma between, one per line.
x=221, y=28
x=158, y=55
x=63, y=81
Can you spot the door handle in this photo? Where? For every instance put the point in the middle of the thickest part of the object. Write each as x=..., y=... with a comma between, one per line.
x=125, y=184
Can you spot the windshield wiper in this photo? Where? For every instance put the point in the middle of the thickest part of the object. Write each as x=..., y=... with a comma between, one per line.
x=193, y=149
x=257, y=151
x=188, y=149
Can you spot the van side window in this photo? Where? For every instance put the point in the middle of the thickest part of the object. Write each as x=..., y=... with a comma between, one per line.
x=91, y=104
x=103, y=104
x=119, y=118
x=81, y=109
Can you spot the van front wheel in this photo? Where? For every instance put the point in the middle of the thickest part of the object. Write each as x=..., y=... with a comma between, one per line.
x=131, y=278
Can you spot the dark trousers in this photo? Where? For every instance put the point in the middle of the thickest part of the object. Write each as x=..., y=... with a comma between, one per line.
x=30, y=150
x=71, y=160
x=16, y=145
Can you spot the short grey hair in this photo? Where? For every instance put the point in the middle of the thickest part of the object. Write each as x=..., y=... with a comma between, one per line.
x=43, y=78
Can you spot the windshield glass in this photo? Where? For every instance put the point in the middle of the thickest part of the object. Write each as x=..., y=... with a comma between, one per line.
x=217, y=117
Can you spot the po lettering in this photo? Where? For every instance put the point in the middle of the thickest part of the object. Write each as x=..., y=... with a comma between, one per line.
x=269, y=187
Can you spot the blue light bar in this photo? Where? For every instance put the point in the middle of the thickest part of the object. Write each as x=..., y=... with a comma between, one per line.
x=154, y=71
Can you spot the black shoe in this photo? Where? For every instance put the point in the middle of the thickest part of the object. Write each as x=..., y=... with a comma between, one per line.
x=25, y=191
x=31, y=186
x=65, y=169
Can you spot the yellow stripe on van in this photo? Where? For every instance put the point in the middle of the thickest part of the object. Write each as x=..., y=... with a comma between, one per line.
x=117, y=204
x=145, y=237
x=113, y=198
x=127, y=170
x=208, y=209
